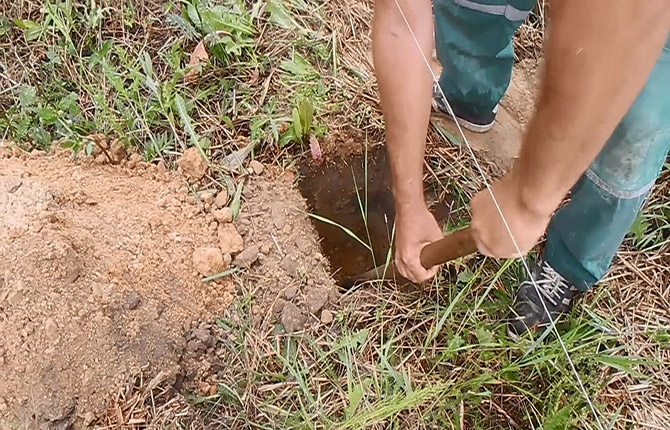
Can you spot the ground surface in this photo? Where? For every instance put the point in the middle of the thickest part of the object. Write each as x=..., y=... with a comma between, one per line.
x=99, y=279
x=104, y=315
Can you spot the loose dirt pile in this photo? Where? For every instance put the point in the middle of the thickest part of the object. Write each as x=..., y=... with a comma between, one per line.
x=100, y=277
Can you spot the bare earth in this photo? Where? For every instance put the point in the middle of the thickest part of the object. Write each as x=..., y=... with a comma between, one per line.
x=98, y=279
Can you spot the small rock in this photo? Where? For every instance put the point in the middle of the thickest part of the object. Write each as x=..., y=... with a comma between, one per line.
x=278, y=214
x=290, y=293
x=208, y=261
x=256, y=166
x=290, y=265
x=192, y=164
x=117, y=151
x=230, y=240
x=203, y=388
x=316, y=299
x=326, y=316
x=292, y=318
x=221, y=199
x=51, y=328
x=161, y=167
x=204, y=336
x=134, y=159
x=132, y=301
x=88, y=418
x=279, y=306
x=213, y=390
x=247, y=257
x=223, y=216
x=101, y=159
x=207, y=196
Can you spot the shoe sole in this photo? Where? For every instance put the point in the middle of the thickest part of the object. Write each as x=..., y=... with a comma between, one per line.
x=476, y=128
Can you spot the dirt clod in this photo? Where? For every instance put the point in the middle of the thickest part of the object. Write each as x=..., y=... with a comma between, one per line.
x=291, y=293
x=192, y=164
x=208, y=261
x=223, y=216
x=316, y=299
x=230, y=240
x=207, y=196
x=292, y=318
x=117, y=151
x=134, y=159
x=326, y=316
x=221, y=199
x=247, y=257
x=278, y=213
x=256, y=166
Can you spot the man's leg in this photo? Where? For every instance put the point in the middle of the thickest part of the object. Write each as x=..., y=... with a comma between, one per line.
x=584, y=236
x=473, y=39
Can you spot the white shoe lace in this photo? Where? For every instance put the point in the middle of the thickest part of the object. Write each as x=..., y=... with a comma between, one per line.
x=552, y=285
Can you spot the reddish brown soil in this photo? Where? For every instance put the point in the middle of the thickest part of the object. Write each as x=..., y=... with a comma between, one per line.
x=98, y=278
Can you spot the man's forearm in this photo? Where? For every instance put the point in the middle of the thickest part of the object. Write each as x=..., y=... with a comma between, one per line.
x=598, y=57
x=405, y=90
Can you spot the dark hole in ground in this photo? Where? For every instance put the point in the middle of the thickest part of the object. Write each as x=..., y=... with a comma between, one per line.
x=331, y=192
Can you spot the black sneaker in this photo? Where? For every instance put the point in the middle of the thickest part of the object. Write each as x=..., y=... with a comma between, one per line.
x=528, y=313
x=479, y=123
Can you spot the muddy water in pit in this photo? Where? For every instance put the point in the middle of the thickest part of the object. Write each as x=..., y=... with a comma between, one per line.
x=332, y=191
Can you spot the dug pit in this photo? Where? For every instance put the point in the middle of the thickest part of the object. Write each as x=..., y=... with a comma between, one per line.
x=349, y=197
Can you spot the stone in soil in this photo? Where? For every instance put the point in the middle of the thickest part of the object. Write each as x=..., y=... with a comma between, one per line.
x=292, y=318
x=117, y=151
x=316, y=299
x=221, y=199
x=223, y=216
x=207, y=196
x=326, y=316
x=247, y=257
x=256, y=166
x=230, y=240
x=208, y=261
x=192, y=164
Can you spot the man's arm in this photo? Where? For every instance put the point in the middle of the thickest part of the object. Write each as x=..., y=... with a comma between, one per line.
x=598, y=57
x=405, y=91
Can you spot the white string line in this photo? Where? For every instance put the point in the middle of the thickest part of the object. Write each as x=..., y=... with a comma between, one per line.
x=502, y=216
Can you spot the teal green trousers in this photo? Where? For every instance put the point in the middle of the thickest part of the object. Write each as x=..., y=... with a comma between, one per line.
x=474, y=46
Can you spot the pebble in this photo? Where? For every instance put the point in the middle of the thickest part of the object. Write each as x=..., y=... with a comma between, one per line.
x=247, y=258
x=223, y=216
x=192, y=164
x=221, y=199
x=208, y=261
x=257, y=167
x=230, y=240
x=278, y=214
x=326, y=316
x=207, y=196
x=290, y=293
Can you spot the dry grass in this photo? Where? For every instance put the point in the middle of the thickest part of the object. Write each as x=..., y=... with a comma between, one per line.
x=398, y=348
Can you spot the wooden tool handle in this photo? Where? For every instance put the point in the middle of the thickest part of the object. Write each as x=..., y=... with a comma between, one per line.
x=452, y=246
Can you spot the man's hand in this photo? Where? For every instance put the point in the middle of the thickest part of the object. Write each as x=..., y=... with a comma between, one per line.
x=526, y=222
x=415, y=228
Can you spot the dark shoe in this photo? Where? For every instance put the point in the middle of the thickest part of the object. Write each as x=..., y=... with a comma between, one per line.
x=528, y=313
x=479, y=123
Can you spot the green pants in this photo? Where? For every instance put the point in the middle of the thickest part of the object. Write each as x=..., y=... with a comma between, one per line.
x=474, y=45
